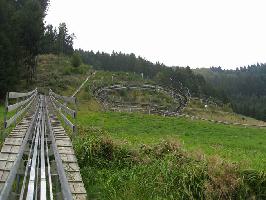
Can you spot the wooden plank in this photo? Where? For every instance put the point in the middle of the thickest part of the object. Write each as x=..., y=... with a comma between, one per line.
x=71, y=167
x=80, y=197
x=10, y=149
x=6, y=165
x=63, y=143
x=68, y=158
x=4, y=175
x=65, y=150
x=7, y=157
x=77, y=188
x=73, y=176
x=13, y=141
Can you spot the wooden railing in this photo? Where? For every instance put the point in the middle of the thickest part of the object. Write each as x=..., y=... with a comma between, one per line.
x=60, y=104
x=24, y=102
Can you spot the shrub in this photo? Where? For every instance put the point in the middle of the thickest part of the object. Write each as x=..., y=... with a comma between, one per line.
x=76, y=60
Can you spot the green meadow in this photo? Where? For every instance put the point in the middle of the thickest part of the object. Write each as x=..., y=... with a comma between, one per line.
x=246, y=146
x=139, y=156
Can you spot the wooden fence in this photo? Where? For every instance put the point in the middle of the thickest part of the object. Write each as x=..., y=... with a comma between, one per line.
x=24, y=102
x=60, y=104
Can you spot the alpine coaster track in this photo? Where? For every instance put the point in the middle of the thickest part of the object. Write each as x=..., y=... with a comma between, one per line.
x=37, y=160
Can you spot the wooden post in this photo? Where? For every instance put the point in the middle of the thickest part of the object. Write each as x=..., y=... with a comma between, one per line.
x=6, y=106
x=5, y=118
x=76, y=112
x=15, y=122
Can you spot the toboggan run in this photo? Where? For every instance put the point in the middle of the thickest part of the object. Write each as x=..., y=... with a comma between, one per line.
x=37, y=160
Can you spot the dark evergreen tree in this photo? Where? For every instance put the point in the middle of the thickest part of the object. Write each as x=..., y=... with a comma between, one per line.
x=57, y=41
x=64, y=40
x=21, y=27
x=245, y=87
x=48, y=41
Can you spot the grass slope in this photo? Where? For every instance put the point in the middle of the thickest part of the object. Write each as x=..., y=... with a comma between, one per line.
x=138, y=156
x=58, y=74
x=244, y=145
x=135, y=156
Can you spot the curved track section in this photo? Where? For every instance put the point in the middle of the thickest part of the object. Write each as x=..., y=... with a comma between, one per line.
x=180, y=97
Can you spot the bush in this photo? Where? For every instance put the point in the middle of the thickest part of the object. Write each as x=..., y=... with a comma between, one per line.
x=76, y=60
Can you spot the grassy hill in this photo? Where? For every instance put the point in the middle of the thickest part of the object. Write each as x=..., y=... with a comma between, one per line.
x=141, y=156
x=57, y=73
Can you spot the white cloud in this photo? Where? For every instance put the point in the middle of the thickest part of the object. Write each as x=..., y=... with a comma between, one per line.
x=229, y=33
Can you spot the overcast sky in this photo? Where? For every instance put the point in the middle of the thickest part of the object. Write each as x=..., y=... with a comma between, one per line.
x=197, y=33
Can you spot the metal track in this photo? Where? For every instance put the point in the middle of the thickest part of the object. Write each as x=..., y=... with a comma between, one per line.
x=37, y=160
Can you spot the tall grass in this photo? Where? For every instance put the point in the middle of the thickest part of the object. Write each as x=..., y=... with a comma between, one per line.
x=160, y=171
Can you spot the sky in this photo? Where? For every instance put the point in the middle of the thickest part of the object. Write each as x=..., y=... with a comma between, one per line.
x=195, y=33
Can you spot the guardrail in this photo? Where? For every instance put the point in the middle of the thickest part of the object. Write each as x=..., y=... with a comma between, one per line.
x=24, y=101
x=60, y=104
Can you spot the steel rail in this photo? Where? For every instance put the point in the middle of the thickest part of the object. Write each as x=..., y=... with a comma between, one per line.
x=32, y=180
x=27, y=169
x=43, y=169
x=49, y=172
x=36, y=184
x=50, y=185
x=67, y=195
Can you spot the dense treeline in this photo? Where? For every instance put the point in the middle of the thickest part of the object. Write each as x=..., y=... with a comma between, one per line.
x=57, y=40
x=21, y=27
x=245, y=86
x=169, y=76
x=23, y=36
